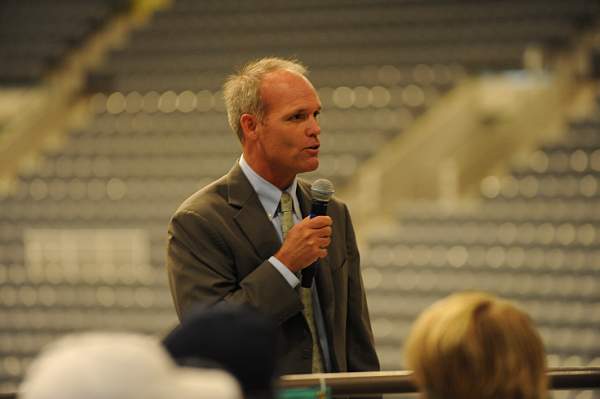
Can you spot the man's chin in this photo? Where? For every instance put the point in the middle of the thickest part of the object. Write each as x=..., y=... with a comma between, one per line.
x=310, y=166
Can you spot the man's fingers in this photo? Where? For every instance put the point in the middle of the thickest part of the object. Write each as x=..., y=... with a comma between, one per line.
x=307, y=241
x=320, y=221
x=324, y=232
x=322, y=253
x=324, y=242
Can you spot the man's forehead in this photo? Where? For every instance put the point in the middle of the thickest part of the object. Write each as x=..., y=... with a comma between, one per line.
x=286, y=85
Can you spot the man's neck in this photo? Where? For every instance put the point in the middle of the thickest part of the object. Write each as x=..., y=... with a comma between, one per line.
x=264, y=170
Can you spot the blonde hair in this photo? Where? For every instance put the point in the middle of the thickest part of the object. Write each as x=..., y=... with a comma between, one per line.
x=242, y=89
x=476, y=346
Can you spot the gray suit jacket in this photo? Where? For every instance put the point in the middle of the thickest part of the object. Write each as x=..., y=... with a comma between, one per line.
x=219, y=242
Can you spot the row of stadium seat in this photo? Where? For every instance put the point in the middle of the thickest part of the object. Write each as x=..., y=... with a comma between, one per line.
x=38, y=35
x=562, y=234
x=492, y=258
x=500, y=211
x=441, y=75
x=343, y=97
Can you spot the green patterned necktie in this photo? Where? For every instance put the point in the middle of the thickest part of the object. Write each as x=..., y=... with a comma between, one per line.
x=287, y=222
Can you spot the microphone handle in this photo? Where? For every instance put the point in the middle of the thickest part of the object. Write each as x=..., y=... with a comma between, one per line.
x=318, y=208
x=308, y=275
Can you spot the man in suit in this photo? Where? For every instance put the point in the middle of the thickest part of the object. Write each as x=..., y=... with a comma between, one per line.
x=233, y=240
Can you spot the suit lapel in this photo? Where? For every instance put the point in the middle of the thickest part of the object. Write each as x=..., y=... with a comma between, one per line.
x=251, y=217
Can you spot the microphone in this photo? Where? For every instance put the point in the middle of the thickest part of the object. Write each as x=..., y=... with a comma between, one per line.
x=321, y=191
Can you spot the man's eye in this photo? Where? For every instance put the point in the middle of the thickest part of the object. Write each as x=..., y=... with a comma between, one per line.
x=298, y=117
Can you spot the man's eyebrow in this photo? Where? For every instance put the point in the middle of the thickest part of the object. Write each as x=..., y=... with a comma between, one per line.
x=297, y=110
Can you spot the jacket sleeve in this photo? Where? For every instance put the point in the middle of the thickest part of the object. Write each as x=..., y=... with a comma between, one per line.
x=201, y=268
x=360, y=347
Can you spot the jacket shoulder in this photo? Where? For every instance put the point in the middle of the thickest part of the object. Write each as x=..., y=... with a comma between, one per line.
x=205, y=199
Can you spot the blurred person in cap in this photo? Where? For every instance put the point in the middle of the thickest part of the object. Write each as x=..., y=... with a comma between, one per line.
x=246, y=238
x=119, y=366
x=235, y=338
x=475, y=346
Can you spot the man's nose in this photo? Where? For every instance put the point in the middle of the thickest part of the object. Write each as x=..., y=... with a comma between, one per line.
x=314, y=128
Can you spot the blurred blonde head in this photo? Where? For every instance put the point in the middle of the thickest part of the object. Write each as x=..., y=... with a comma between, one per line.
x=119, y=366
x=242, y=89
x=476, y=346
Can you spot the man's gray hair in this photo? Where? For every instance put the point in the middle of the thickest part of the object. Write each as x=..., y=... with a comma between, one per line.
x=242, y=89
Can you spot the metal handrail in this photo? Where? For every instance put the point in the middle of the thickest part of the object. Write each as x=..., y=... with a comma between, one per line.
x=374, y=383
x=383, y=382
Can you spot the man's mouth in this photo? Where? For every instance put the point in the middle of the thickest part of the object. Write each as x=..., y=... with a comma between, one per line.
x=314, y=147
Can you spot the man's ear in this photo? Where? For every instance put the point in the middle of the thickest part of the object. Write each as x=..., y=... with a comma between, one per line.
x=249, y=124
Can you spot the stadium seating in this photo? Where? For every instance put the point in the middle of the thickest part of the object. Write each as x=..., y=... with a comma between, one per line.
x=82, y=239
x=37, y=35
x=534, y=239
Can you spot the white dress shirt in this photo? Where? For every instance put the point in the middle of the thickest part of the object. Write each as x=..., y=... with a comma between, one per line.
x=269, y=197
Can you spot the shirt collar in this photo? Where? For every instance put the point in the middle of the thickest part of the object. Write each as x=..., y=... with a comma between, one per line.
x=268, y=194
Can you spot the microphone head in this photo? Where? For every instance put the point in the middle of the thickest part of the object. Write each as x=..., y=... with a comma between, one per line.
x=322, y=190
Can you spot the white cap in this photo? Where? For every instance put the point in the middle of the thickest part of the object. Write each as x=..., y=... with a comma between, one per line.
x=117, y=366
